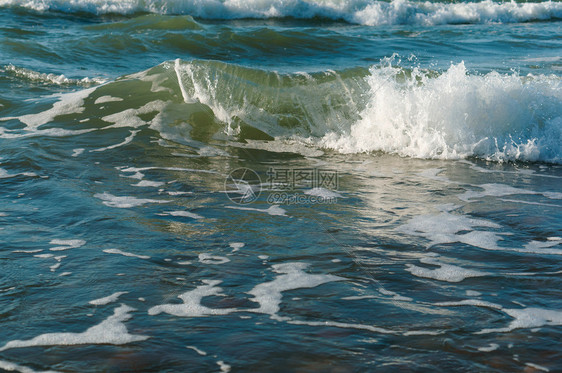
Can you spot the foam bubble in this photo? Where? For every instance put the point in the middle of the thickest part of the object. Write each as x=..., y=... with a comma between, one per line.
x=523, y=318
x=131, y=117
x=323, y=193
x=124, y=202
x=66, y=244
x=445, y=272
x=109, y=299
x=13, y=367
x=292, y=276
x=273, y=210
x=148, y=183
x=125, y=253
x=5, y=174
x=236, y=246
x=537, y=367
x=225, y=368
x=78, y=151
x=199, y=351
x=212, y=259
x=69, y=103
x=493, y=190
x=450, y=228
x=127, y=140
x=110, y=331
x=184, y=214
x=191, y=306
x=528, y=318
x=104, y=99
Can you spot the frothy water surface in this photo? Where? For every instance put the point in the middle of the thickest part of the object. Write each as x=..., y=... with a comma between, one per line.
x=280, y=186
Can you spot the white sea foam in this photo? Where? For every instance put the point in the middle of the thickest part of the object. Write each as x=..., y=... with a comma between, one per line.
x=322, y=193
x=124, y=202
x=109, y=299
x=212, y=259
x=127, y=140
x=5, y=174
x=523, y=318
x=445, y=228
x=445, y=272
x=184, y=214
x=528, y=318
x=236, y=246
x=66, y=244
x=110, y=331
x=69, y=103
x=292, y=276
x=125, y=253
x=13, y=367
x=130, y=117
x=273, y=210
x=367, y=12
x=451, y=228
x=199, y=351
x=31, y=251
x=501, y=190
x=537, y=367
x=104, y=99
x=191, y=306
x=225, y=368
x=529, y=202
x=395, y=296
x=370, y=328
x=78, y=151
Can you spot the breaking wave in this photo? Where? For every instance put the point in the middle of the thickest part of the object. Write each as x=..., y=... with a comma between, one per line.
x=364, y=12
x=420, y=113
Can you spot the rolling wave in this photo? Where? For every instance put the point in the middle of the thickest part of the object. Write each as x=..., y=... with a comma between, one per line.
x=364, y=12
x=47, y=78
x=418, y=113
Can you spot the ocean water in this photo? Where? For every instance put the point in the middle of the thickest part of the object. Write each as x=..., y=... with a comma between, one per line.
x=280, y=186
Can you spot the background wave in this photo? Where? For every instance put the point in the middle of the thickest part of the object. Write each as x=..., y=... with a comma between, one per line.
x=364, y=12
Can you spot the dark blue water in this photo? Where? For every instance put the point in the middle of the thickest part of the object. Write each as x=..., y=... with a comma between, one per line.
x=280, y=186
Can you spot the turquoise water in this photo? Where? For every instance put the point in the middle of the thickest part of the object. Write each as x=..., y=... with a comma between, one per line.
x=280, y=186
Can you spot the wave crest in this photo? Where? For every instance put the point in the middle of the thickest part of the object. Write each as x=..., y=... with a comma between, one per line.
x=411, y=112
x=364, y=12
x=456, y=115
